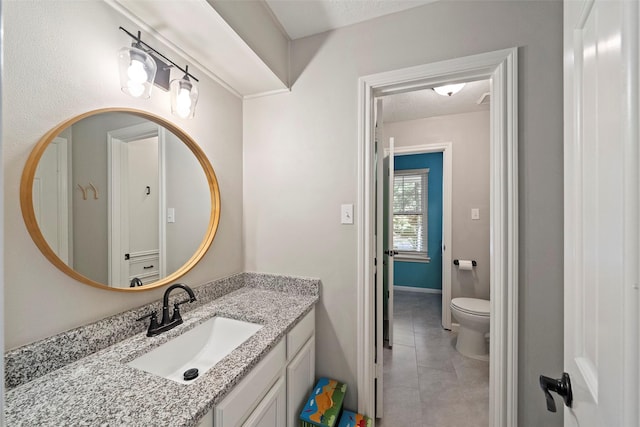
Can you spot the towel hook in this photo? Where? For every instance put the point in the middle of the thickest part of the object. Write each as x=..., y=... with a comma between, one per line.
x=95, y=191
x=84, y=192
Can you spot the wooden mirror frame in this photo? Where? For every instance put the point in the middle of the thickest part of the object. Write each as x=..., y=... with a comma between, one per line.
x=28, y=212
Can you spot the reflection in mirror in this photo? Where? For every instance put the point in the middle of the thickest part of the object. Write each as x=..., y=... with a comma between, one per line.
x=122, y=200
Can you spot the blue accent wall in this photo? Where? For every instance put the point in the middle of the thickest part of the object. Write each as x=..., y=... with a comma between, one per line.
x=420, y=274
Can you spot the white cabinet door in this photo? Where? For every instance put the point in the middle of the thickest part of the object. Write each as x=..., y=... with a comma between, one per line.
x=240, y=402
x=300, y=378
x=271, y=411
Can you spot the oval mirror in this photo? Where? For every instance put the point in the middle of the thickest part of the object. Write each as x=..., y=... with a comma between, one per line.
x=120, y=199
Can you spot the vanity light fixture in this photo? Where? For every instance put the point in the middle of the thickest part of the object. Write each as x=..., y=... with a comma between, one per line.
x=141, y=66
x=184, y=96
x=448, y=90
x=137, y=69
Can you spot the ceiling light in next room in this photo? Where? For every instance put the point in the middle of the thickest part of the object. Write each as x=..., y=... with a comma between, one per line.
x=448, y=90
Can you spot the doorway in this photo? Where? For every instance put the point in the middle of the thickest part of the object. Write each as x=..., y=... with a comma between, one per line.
x=51, y=198
x=501, y=68
x=423, y=365
x=137, y=237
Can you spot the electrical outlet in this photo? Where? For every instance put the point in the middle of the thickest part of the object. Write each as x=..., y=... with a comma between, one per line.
x=475, y=213
x=171, y=215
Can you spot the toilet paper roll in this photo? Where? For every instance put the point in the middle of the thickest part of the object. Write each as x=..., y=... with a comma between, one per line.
x=465, y=264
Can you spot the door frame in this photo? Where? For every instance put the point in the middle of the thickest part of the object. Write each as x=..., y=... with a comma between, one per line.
x=118, y=224
x=501, y=67
x=64, y=211
x=446, y=148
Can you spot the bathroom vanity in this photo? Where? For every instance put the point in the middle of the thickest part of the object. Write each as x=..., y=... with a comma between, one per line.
x=112, y=373
x=263, y=382
x=274, y=392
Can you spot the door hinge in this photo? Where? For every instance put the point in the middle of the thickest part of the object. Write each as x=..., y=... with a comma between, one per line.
x=375, y=262
x=378, y=369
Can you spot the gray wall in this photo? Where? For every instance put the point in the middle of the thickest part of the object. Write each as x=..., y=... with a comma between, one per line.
x=300, y=164
x=60, y=61
x=469, y=135
x=188, y=195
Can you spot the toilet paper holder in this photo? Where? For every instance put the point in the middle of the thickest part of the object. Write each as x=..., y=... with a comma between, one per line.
x=457, y=262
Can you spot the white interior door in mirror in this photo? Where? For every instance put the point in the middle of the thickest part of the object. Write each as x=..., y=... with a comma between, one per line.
x=50, y=197
x=143, y=183
x=137, y=235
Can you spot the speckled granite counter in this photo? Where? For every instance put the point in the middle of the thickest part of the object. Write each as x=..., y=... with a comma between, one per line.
x=101, y=389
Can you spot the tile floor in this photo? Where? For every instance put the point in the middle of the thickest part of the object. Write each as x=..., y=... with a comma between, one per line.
x=427, y=383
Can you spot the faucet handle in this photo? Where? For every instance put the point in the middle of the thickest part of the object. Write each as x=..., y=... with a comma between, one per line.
x=153, y=325
x=153, y=314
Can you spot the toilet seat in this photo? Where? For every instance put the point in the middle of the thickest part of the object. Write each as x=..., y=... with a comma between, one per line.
x=474, y=306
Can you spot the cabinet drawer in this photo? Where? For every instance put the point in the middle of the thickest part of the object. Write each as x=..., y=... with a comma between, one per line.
x=144, y=266
x=235, y=408
x=300, y=333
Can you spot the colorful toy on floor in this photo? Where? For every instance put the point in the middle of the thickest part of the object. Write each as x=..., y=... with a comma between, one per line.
x=352, y=419
x=324, y=405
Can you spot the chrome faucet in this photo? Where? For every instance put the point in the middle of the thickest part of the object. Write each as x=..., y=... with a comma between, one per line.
x=166, y=323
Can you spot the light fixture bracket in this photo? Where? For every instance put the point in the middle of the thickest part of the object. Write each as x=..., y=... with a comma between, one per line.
x=163, y=73
x=163, y=78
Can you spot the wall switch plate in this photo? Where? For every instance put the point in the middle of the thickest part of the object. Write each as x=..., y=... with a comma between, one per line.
x=346, y=214
x=475, y=213
x=171, y=215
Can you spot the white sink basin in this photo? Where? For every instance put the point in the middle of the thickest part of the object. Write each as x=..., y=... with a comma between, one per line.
x=201, y=348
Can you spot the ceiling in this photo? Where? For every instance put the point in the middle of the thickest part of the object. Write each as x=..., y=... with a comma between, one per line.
x=424, y=103
x=302, y=18
x=212, y=46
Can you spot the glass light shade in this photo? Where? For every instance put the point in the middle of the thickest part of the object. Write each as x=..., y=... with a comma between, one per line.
x=137, y=72
x=184, y=97
x=448, y=90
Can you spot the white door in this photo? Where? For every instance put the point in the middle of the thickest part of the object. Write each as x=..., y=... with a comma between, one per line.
x=388, y=237
x=384, y=252
x=50, y=198
x=380, y=259
x=143, y=190
x=137, y=204
x=601, y=212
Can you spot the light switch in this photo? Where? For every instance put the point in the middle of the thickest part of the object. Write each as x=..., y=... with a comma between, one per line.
x=475, y=213
x=171, y=215
x=346, y=214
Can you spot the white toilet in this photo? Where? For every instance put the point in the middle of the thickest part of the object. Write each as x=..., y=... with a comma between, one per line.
x=473, y=314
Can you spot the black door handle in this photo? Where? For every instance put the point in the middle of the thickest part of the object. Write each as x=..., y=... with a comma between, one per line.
x=561, y=386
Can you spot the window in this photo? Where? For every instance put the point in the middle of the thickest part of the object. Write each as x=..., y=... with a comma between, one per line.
x=410, y=213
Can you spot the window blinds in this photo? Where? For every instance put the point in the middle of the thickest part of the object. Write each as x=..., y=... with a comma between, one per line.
x=410, y=211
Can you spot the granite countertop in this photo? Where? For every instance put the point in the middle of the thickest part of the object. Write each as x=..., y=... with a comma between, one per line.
x=101, y=389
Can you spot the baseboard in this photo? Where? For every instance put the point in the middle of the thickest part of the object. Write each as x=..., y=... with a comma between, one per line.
x=419, y=290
